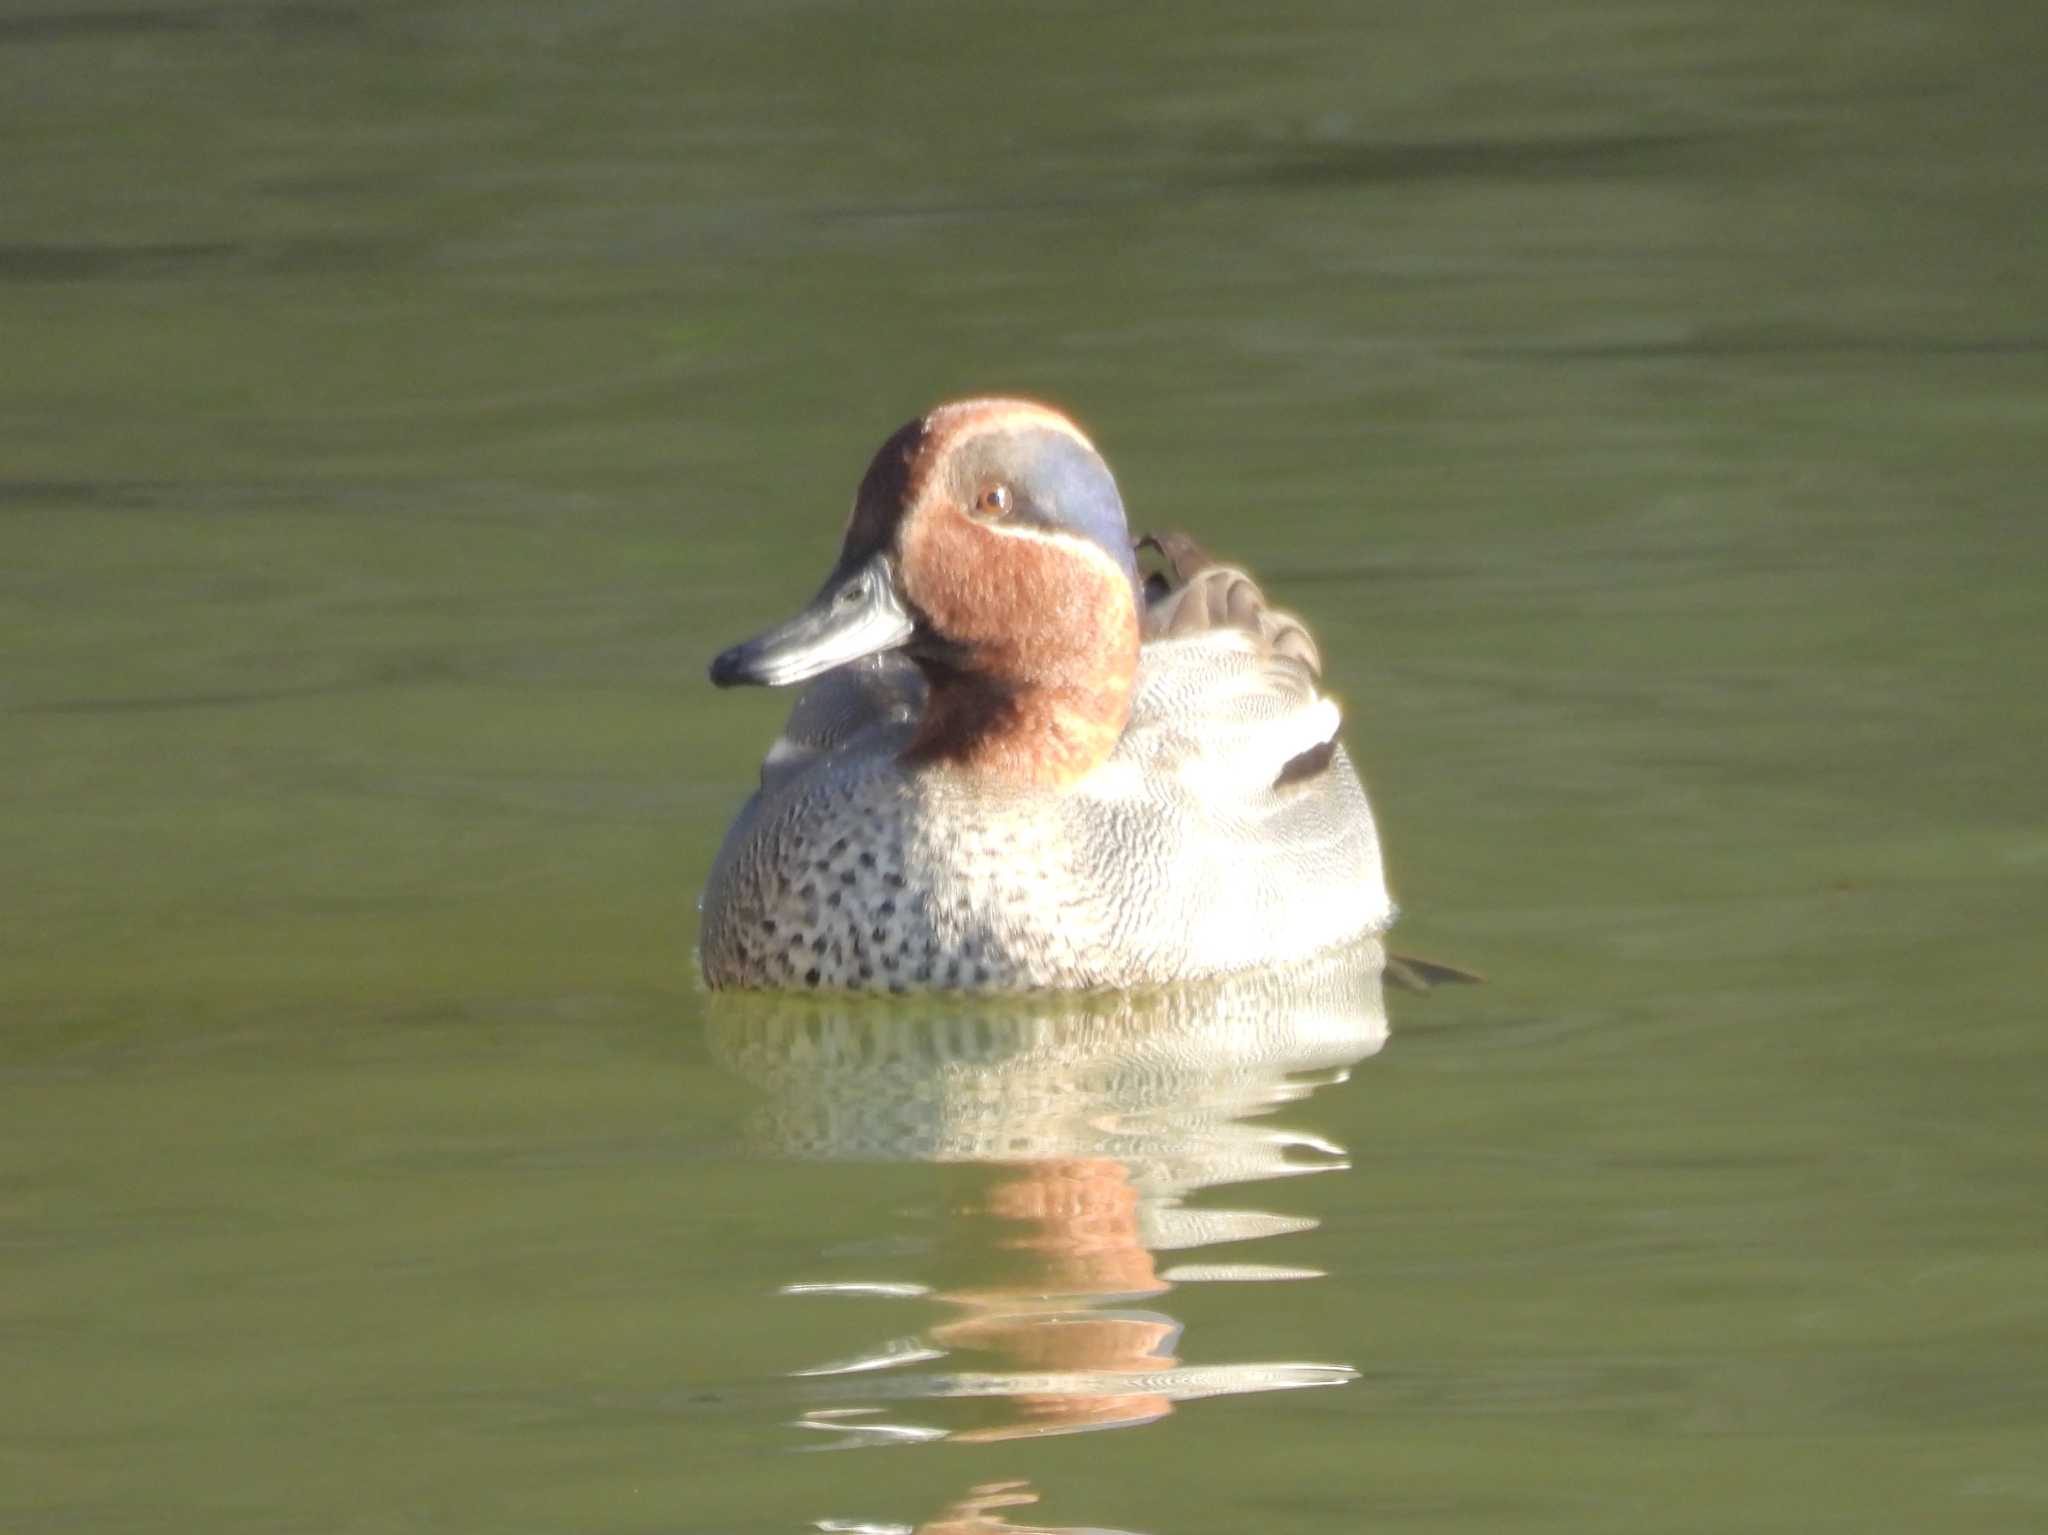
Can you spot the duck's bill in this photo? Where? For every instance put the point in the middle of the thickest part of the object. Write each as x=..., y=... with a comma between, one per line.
x=858, y=614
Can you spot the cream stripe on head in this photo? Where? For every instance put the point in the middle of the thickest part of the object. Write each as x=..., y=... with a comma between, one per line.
x=1067, y=542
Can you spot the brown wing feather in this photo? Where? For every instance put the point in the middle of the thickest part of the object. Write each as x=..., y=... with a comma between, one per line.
x=1190, y=591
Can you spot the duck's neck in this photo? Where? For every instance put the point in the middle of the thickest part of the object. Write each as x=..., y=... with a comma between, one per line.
x=1027, y=734
x=1034, y=653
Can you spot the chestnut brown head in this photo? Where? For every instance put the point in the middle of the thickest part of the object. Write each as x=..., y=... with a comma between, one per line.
x=987, y=538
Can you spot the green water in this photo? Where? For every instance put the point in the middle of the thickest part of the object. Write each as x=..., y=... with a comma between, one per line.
x=1647, y=403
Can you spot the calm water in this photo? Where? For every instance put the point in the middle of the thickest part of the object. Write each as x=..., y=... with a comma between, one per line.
x=1648, y=403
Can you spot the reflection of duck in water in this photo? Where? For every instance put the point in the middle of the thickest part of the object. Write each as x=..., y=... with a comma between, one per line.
x=1079, y=1126
x=1022, y=768
x=980, y=1513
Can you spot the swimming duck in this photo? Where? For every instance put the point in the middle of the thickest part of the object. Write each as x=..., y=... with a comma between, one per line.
x=1023, y=765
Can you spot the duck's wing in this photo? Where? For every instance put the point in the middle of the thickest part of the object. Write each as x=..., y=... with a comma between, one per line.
x=1230, y=686
x=841, y=704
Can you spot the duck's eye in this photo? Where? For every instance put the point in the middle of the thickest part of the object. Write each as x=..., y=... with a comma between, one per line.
x=994, y=501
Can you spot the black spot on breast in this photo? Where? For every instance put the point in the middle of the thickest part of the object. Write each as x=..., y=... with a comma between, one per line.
x=1307, y=765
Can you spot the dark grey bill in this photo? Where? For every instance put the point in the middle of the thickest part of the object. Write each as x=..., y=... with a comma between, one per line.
x=858, y=613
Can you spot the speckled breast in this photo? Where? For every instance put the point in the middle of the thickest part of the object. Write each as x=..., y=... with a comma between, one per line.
x=868, y=876
x=863, y=874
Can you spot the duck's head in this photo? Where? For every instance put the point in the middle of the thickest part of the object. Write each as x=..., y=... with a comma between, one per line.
x=988, y=543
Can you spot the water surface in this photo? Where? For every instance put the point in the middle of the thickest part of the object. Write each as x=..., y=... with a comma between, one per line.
x=1647, y=404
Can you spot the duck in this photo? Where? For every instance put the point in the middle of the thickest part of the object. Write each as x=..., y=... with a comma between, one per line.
x=1022, y=762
